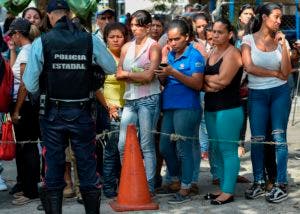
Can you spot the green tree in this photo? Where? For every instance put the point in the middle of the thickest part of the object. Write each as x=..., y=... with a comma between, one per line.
x=83, y=9
x=161, y=5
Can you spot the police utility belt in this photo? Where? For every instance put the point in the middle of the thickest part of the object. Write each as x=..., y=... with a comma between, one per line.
x=69, y=103
x=45, y=104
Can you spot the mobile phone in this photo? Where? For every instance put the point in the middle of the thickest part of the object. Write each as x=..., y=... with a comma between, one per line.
x=163, y=65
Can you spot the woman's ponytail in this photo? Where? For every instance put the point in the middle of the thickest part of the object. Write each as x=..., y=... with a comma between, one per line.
x=256, y=21
x=34, y=32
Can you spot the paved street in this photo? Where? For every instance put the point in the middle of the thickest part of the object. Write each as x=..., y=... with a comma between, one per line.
x=197, y=205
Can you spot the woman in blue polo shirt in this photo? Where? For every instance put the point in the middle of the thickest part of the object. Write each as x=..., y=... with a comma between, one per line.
x=182, y=79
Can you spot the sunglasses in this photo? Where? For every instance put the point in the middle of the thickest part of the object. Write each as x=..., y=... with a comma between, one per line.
x=12, y=32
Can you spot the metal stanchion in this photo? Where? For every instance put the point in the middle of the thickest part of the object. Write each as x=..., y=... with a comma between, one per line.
x=296, y=98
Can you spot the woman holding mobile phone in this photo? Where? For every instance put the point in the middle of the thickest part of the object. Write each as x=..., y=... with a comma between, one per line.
x=266, y=59
x=183, y=79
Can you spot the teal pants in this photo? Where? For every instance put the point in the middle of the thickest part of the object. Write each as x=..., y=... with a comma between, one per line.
x=223, y=128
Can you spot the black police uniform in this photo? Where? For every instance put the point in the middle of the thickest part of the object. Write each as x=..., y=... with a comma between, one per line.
x=66, y=82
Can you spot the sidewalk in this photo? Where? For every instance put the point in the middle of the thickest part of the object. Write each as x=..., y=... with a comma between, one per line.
x=198, y=204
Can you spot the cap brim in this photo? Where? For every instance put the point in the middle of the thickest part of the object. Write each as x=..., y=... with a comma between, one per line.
x=49, y=10
x=8, y=33
x=105, y=11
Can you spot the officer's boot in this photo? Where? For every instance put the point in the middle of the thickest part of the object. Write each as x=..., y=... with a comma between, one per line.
x=54, y=201
x=43, y=197
x=91, y=201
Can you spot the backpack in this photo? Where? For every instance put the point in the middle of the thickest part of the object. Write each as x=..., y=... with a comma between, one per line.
x=6, y=85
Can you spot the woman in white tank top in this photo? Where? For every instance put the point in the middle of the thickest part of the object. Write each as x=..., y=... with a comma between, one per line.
x=139, y=59
x=266, y=59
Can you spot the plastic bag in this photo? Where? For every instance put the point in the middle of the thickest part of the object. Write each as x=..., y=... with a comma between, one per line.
x=82, y=8
x=15, y=6
x=8, y=143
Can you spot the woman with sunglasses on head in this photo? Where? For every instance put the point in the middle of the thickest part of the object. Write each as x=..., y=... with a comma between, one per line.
x=24, y=115
x=223, y=111
x=246, y=12
x=139, y=58
x=266, y=59
x=200, y=21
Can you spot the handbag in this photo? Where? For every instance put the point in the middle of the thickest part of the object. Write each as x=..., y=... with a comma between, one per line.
x=8, y=142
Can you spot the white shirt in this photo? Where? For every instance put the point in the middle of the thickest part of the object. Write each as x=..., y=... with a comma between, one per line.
x=137, y=63
x=270, y=60
x=22, y=58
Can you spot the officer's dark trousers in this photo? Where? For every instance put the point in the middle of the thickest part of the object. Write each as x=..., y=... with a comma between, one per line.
x=58, y=126
x=27, y=154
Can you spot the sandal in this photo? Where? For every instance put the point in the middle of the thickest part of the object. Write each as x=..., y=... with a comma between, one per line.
x=218, y=202
x=21, y=201
x=18, y=195
x=210, y=196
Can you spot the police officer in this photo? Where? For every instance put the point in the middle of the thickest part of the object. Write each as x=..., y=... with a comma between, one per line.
x=59, y=66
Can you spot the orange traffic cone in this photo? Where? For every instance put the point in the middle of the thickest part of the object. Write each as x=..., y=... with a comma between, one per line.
x=133, y=190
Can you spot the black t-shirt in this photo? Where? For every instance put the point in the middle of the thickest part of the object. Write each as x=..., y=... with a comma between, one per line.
x=227, y=98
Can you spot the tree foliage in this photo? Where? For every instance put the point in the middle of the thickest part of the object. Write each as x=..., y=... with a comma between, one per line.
x=164, y=1
x=161, y=5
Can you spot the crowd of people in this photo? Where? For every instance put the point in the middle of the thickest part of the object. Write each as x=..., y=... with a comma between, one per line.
x=187, y=76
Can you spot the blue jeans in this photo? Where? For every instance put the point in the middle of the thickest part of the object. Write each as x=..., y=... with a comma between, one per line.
x=111, y=157
x=60, y=126
x=144, y=113
x=272, y=105
x=212, y=162
x=204, y=143
x=197, y=161
x=183, y=122
x=223, y=129
x=203, y=138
